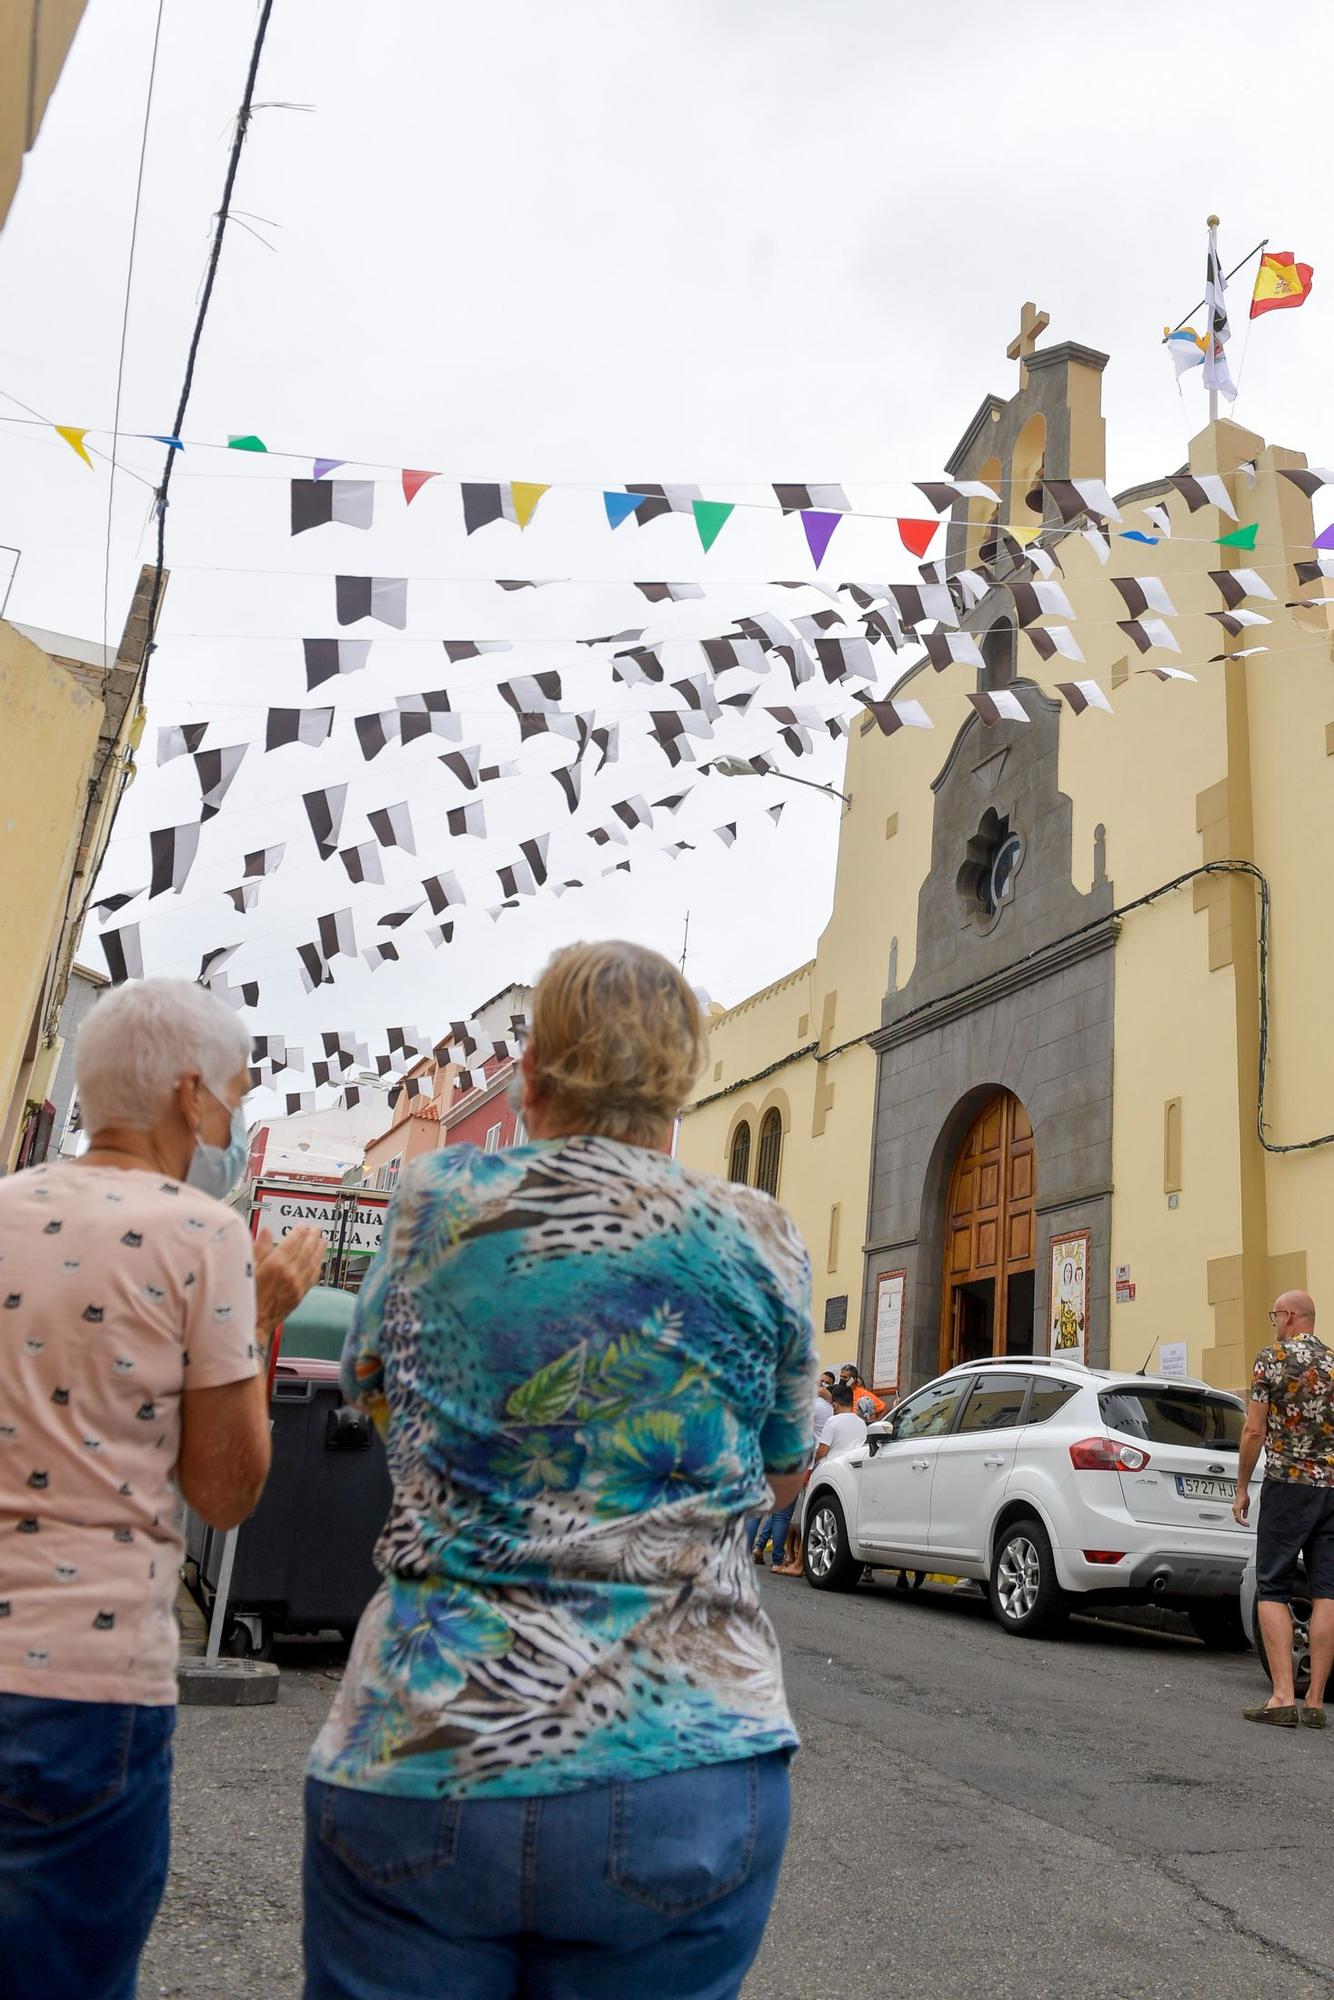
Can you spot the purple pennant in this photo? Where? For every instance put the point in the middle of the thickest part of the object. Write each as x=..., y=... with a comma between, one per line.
x=819, y=528
x=323, y=465
x=1325, y=540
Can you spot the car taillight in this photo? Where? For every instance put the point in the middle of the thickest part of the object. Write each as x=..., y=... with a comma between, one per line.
x=1104, y=1555
x=1100, y=1454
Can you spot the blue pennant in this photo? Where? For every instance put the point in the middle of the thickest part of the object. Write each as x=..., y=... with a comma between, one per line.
x=620, y=506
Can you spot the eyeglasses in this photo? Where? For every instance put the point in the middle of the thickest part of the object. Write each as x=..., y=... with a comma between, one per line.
x=1278, y=1313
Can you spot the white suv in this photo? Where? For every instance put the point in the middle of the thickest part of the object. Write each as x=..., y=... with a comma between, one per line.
x=1051, y=1482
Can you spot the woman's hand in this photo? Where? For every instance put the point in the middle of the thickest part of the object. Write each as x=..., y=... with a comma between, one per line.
x=284, y=1273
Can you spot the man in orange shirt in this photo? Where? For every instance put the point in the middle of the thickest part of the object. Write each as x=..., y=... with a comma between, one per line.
x=866, y=1404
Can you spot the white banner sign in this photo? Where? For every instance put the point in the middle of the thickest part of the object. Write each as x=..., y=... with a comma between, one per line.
x=282, y=1213
x=885, y=1366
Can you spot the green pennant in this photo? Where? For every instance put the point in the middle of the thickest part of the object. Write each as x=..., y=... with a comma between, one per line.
x=1240, y=538
x=247, y=443
x=709, y=518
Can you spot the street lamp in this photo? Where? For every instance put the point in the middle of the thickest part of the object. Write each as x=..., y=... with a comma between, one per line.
x=742, y=767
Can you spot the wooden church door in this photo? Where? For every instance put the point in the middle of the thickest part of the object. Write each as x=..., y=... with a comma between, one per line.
x=990, y=1238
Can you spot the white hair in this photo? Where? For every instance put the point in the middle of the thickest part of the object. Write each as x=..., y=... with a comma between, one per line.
x=141, y=1038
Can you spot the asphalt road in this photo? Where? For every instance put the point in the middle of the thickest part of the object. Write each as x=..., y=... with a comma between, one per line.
x=974, y=1815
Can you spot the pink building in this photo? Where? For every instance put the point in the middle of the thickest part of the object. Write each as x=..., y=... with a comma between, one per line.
x=437, y=1103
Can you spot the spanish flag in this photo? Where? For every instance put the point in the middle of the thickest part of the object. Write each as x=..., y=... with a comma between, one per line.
x=1279, y=282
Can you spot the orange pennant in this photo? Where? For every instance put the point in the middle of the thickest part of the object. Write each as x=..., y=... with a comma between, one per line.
x=917, y=536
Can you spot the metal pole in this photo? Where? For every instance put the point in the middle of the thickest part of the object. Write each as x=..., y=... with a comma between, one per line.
x=1209, y=351
x=1168, y=331
x=221, y=1597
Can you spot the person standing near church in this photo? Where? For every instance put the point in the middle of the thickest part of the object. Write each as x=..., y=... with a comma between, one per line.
x=866, y=1404
x=1291, y=1416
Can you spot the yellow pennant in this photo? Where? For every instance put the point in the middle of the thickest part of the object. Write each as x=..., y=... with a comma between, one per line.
x=526, y=497
x=1022, y=535
x=74, y=439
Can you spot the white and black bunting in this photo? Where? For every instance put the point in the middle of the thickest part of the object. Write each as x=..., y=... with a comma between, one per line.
x=833, y=648
x=216, y=769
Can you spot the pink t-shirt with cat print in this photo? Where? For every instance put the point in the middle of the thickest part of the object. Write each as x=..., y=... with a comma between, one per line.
x=118, y=1290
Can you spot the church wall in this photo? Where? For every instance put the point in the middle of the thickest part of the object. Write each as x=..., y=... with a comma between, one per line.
x=1139, y=775
x=884, y=851
x=1040, y=1025
x=1097, y=1044
x=1290, y=703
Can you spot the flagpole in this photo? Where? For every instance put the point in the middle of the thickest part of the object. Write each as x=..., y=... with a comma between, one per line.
x=1215, y=266
x=1228, y=276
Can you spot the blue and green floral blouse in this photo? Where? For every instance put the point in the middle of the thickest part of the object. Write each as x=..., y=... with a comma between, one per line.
x=582, y=1356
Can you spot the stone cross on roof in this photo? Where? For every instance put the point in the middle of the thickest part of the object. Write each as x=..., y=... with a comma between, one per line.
x=1031, y=324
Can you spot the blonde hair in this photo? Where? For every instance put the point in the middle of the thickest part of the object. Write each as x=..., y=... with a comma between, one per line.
x=617, y=1040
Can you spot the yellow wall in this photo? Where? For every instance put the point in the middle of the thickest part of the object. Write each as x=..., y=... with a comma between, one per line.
x=48, y=737
x=828, y=1105
x=34, y=40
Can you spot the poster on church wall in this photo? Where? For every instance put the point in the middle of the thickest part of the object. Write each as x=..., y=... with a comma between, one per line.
x=1067, y=1316
x=886, y=1361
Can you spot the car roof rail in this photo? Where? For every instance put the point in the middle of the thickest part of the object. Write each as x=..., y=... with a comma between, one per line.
x=1022, y=1361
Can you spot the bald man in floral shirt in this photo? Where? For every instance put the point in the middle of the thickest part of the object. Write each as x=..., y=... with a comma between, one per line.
x=1292, y=1416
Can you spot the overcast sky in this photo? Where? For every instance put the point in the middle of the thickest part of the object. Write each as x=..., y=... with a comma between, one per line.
x=722, y=243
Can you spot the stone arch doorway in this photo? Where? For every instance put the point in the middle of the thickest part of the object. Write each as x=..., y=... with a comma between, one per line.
x=988, y=1293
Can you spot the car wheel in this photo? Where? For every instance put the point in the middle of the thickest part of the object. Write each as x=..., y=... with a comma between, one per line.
x=1216, y=1623
x=828, y=1561
x=1300, y=1607
x=1026, y=1599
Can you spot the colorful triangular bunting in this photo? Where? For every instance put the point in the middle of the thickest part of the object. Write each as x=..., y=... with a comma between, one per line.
x=74, y=438
x=917, y=536
x=321, y=466
x=413, y=483
x=1240, y=538
x=620, y=506
x=709, y=518
x=246, y=442
x=819, y=529
x=526, y=496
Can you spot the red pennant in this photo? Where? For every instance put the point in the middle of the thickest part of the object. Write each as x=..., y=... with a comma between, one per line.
x=917, y=536
x=413, y=483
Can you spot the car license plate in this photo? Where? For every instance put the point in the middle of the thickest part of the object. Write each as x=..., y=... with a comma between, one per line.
x=1192, y=1487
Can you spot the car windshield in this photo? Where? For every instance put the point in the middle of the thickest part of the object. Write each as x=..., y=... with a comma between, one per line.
x=1173, y=1416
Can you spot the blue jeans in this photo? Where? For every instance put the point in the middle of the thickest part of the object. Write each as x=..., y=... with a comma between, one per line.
x=85, y=1791
x=657, y=1887
x=778, y=1522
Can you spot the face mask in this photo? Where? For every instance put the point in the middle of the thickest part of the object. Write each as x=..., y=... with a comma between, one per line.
x=216, y=1170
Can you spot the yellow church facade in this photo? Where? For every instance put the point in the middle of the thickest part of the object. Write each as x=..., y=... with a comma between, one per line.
x=1013, y=1101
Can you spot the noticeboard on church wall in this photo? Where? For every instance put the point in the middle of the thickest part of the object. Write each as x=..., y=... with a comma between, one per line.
x=887, y=1359
x=1067, y=1307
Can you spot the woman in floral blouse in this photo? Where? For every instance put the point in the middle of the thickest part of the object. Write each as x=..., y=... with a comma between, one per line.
x=559, y=1755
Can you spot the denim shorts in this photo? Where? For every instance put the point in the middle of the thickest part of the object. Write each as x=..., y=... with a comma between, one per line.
x=660, y=1886
x=1295, y=1520
x=85, y=1793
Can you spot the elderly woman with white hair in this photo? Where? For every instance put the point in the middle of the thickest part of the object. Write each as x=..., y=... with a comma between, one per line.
x=134, y=1319
x=557, y=1762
